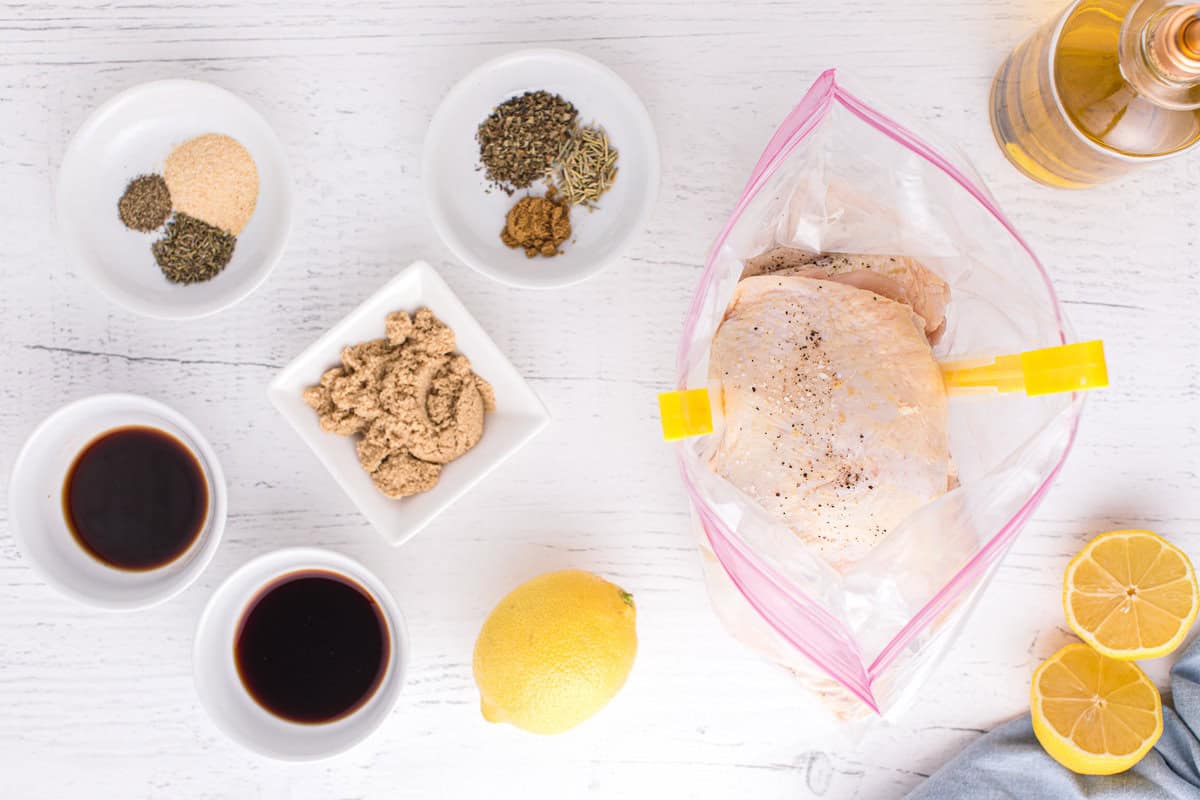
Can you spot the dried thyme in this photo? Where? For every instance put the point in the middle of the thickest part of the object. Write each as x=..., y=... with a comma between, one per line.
x=192, y=250
x=522, y=136
x=585, y=167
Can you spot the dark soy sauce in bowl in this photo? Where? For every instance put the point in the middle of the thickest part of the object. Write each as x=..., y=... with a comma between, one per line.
x=135, y=498
x=312, y=647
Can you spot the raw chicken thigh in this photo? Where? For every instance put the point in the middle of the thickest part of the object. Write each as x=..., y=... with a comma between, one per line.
x=899, y=278
x=834, y=408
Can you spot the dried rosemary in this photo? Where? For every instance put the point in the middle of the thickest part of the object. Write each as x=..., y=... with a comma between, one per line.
x=585, y=167
x=521, y=137
x=192, y=250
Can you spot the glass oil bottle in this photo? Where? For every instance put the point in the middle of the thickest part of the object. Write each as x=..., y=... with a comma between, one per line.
x=1105, y=87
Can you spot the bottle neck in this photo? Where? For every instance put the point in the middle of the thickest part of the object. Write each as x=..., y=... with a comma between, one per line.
x=1172, y=40
x=1160, y=53
x=1190, y=37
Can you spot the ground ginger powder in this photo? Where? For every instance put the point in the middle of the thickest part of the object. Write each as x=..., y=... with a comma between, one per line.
x=538, y=225
x=414, y=403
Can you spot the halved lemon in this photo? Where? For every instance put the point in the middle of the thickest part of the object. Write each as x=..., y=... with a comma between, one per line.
x=1092, y=714
x=1131, y=595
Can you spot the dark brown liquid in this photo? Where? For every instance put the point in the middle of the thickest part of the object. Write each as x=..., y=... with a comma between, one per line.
x=312, y=647
x=136, y=498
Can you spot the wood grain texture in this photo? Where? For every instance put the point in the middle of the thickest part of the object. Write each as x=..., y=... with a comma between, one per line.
x=101, y=705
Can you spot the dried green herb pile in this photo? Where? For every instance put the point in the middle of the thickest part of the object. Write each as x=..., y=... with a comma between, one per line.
x=586, y=167
x=146, y=203
x=521, y=138
x=192, y=250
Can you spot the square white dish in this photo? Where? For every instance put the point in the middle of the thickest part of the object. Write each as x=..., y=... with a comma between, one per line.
x=518, y=417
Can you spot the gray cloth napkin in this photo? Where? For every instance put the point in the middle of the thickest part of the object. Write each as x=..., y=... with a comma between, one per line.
x=1009, y=762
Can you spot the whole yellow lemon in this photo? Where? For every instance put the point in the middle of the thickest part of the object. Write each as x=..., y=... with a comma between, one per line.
x=555, y=651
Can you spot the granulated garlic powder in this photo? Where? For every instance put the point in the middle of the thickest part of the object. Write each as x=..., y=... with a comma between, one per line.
x=214, y=179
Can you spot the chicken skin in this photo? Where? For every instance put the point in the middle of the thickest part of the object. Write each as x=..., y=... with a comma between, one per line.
x=834, y=408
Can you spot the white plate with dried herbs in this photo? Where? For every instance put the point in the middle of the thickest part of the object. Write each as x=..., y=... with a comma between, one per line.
x=519, y=125
x=139, y=133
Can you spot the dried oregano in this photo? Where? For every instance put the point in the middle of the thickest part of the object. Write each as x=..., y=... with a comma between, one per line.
x=523, y=136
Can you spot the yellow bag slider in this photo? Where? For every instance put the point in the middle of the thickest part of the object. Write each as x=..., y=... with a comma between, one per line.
x=1068, y=368
x=684, y=414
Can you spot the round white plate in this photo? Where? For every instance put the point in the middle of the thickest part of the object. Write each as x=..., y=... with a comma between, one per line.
x=39, y=525
x=469, y=217
x=132, y=134
x=225, y=697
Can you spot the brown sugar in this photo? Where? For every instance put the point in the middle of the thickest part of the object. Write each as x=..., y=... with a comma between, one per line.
x=537, y=224
x=414, y=404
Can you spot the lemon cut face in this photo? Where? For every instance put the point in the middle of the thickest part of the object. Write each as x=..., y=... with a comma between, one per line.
x=1131, y=595
x=1092, y=714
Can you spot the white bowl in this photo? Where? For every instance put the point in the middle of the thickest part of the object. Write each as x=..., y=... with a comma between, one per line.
x=132, y=134
x=519, y=415
x=224, y=696
x=38, y=522
x=469, y=218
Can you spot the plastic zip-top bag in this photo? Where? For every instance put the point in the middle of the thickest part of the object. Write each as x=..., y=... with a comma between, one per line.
x=850, y=512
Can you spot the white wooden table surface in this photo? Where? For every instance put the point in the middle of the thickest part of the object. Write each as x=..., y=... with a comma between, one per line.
x=101, y=705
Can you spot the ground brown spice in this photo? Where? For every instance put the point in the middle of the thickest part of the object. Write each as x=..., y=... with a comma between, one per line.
x=537, y=224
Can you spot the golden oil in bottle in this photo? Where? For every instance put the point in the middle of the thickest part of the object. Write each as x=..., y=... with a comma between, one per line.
x=1102, y=89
